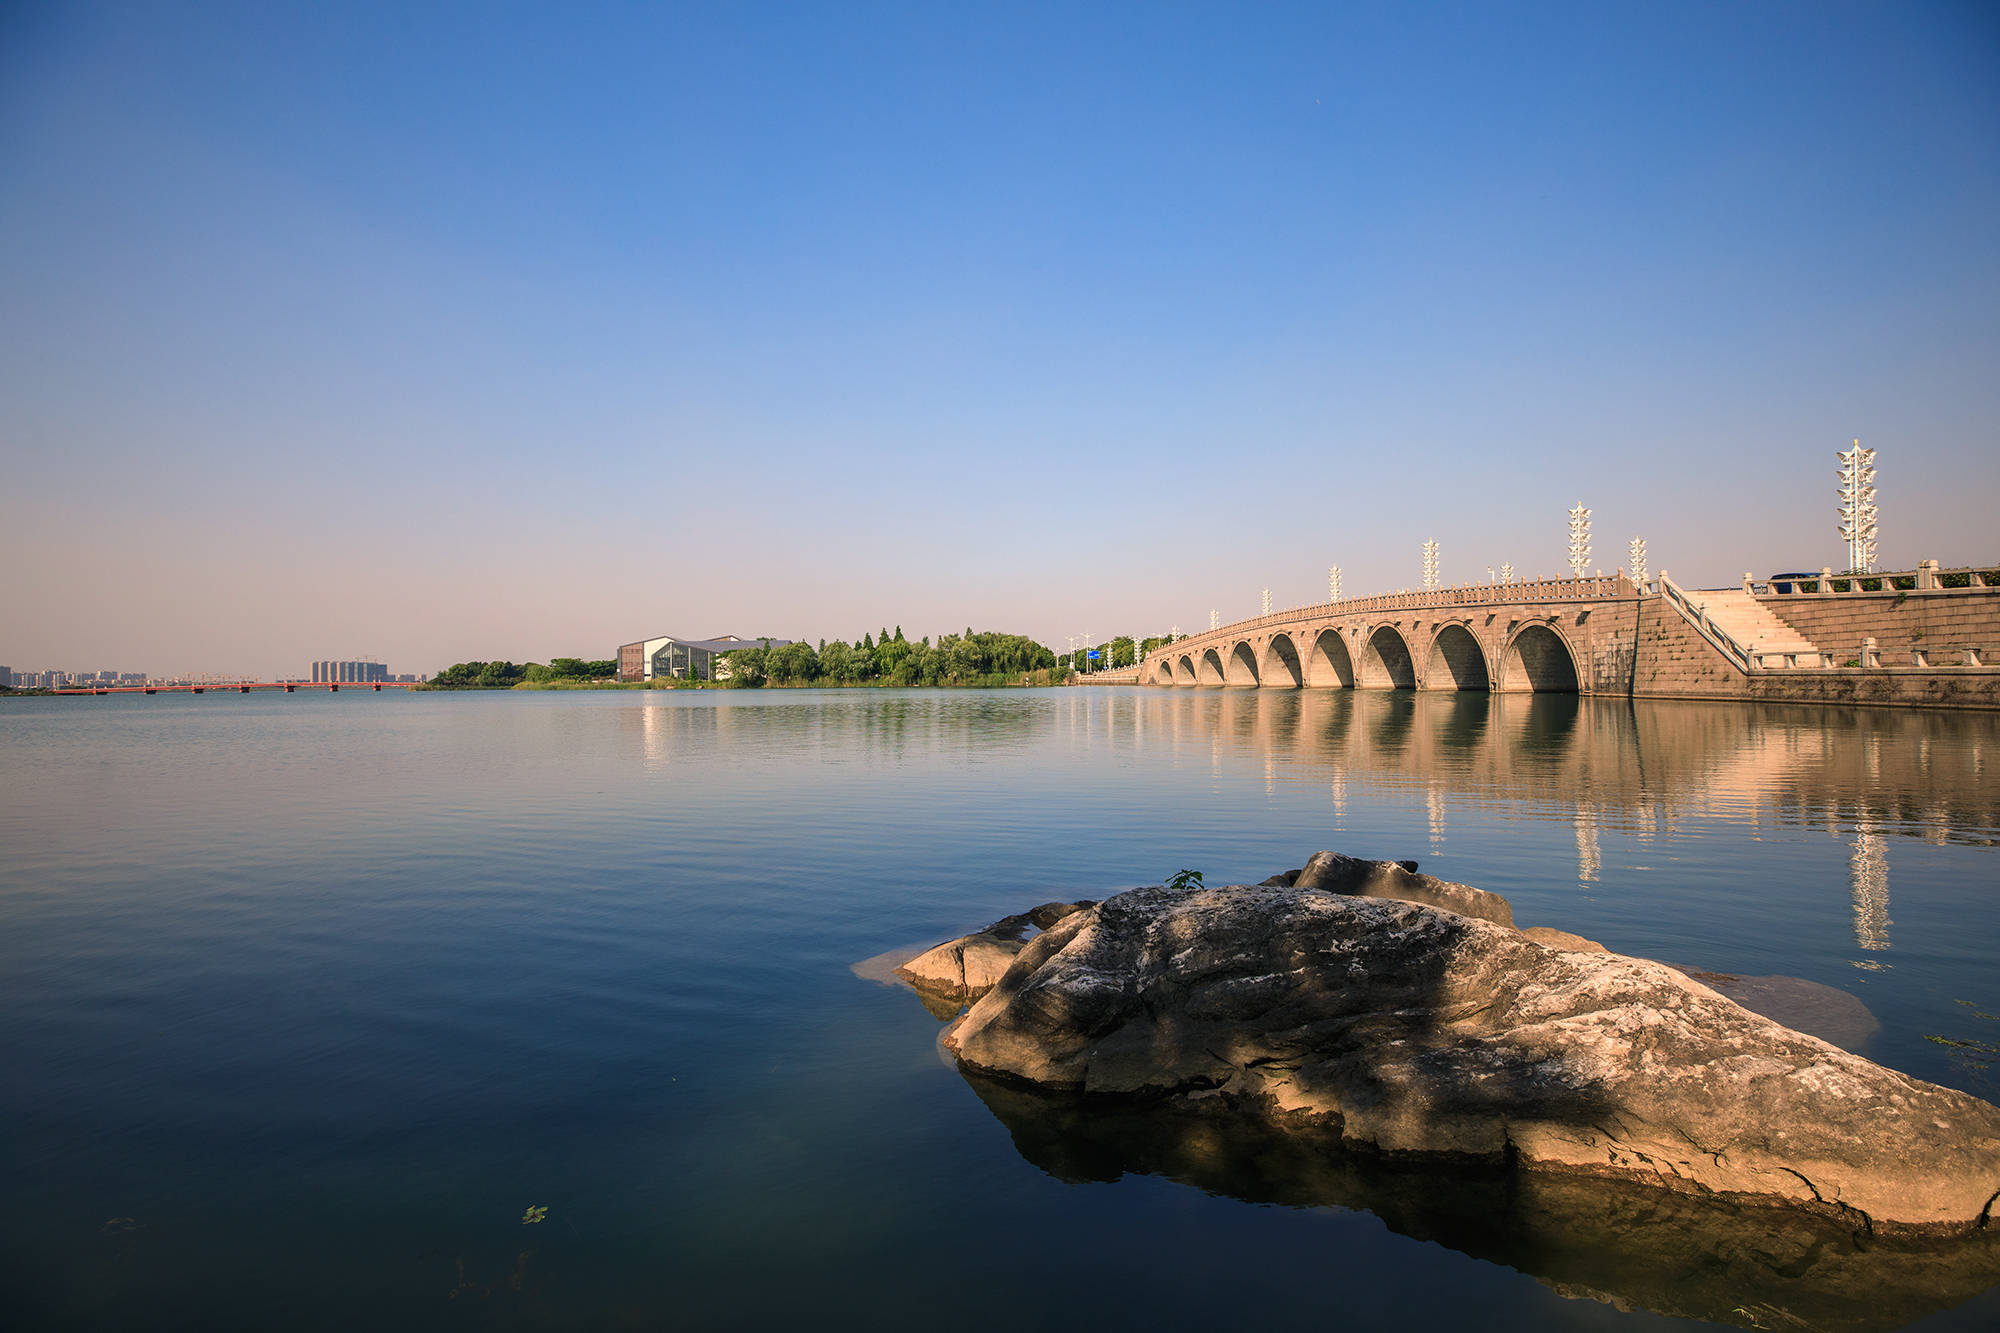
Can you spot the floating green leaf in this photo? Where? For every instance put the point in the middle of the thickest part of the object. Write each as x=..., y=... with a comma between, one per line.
x=533, y=1215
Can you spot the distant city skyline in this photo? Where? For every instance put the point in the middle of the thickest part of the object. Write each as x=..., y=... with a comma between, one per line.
x=470, y=334
x=66, y=677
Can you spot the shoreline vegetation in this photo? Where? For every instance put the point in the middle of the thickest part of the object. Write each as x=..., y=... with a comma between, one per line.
x=984, y=660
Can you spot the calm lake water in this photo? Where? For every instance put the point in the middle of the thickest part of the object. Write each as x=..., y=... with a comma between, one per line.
x=307, y=998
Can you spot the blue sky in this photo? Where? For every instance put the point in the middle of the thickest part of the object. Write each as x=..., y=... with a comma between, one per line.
x=442, y=332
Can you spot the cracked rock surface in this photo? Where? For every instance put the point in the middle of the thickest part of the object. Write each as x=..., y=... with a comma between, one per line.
x=1413, y=1029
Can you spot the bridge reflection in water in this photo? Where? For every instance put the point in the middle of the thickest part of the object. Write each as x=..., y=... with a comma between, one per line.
x=1607, y=768
x=1640, y=768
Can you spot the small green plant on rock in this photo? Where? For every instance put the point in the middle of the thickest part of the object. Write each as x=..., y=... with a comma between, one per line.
x=1184, y=881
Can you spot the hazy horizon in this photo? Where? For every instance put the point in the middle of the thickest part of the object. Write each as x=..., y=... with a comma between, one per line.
x=467, y=332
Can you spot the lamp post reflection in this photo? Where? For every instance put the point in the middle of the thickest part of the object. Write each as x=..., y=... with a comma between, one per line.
x=1868, y=877
x=1589, y=859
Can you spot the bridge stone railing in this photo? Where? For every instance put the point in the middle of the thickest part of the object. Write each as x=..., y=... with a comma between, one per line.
x=1469, y=594
x=1926, y=577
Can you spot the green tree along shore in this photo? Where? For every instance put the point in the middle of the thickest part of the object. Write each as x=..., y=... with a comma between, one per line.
x=987, y=658
x=507, y=675
x=891, y=659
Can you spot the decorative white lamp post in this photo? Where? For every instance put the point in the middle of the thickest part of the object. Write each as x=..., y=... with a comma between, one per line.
x=1214, y=618
x=1431, y=566
x=1579, y=539
x=1857, y=507
x=1507, y=572
x=1333, y=583
x=1639, y=571
x=1267, y=601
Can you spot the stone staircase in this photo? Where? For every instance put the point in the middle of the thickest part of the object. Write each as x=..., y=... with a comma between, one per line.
x=1743, y=618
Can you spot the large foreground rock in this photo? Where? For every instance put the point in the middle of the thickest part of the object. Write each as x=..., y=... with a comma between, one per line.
x=1412, y=1029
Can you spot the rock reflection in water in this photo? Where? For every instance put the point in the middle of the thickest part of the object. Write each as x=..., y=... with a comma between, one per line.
x=1629, y=1246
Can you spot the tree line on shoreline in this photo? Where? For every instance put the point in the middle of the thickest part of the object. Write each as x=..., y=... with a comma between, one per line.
x=986, y=658
x=506, y=675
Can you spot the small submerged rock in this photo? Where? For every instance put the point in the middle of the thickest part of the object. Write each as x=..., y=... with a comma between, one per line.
x=1824, y=1011
x=1369, y=1006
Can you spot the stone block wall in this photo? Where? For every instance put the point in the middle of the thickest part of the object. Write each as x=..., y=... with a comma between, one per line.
x=1936, y=621
x=1675, y=661
x=1605, y=640
x=1905, y=687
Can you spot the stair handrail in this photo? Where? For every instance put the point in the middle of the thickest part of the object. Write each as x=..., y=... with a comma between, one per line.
x=1695, y=614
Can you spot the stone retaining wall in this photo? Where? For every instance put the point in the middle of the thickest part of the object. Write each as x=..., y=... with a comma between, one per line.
x=1905, y=686
x=1934, y=621
x=1674, y=661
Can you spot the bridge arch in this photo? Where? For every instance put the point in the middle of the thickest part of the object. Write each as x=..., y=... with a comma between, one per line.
x=1538, y=659
x=1240, y=667
x=1329, y=663
x=1209, y=670
x=1385, y=661
x=1163, y=671
x=1456, y=661
x=1183, y=670
x=1280, y=668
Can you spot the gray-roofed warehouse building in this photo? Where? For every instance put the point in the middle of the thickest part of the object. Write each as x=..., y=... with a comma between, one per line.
x=651, y=659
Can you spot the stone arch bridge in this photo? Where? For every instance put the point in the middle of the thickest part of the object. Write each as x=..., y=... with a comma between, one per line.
x=1566, y=635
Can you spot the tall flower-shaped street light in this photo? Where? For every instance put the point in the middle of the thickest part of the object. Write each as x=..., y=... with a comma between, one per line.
x=1639, y=570
x=1333, y=583
x=1857, y=507
x=1431, y=565
x=1579, y=539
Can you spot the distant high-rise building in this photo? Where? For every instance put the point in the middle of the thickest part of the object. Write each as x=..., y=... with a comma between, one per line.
x=348, y=673
x=7, y=677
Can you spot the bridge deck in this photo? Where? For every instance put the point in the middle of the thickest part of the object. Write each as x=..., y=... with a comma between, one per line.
x=242, y=687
